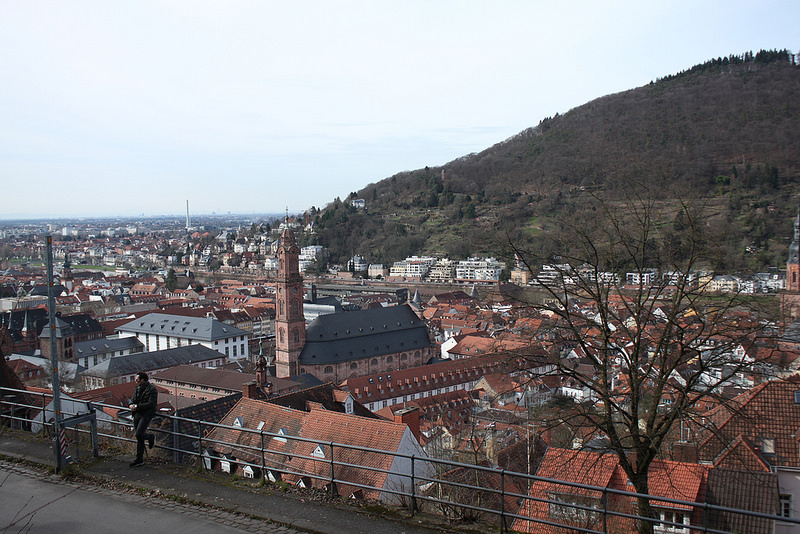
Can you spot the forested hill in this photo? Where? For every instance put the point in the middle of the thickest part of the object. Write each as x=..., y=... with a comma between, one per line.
x=727, y=131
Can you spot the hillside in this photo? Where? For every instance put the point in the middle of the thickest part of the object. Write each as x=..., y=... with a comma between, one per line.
x=726, y=132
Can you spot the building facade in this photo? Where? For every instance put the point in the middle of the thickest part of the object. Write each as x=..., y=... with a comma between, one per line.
x=160, y=331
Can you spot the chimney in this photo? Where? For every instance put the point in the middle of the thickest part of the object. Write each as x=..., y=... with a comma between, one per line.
x=492, y=454
x=409, y=416
x=250, y=390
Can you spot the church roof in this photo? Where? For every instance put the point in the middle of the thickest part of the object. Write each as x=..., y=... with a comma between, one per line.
x=355, y=335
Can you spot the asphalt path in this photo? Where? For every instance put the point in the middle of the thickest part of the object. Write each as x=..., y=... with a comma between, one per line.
x=35, y=504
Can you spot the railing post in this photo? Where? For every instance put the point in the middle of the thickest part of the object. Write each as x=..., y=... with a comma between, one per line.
x=44, y=414
x=604, y=500
x=263, y=456
x=333, y=473
x=200, y=443
x=413, y=485
x=93, y=426
x=176, y=454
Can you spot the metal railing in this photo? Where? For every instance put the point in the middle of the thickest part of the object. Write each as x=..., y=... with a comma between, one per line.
x=459, y=491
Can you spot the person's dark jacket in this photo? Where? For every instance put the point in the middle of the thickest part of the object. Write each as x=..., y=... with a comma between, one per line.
x=145, y=397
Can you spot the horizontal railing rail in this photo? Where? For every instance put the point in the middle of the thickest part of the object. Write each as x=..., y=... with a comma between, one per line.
x=457, y=497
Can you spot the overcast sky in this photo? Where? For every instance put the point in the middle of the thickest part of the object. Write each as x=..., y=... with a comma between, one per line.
x=134, y=107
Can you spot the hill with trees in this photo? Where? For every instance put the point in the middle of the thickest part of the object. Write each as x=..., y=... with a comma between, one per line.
x=725, y=133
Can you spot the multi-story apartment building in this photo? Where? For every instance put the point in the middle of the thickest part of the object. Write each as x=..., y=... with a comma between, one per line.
x=477, y=269
x=159, y=331
x=413, y=267
x=443, y=271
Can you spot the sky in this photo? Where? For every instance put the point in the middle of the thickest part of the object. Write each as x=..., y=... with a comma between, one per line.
x=132, y=108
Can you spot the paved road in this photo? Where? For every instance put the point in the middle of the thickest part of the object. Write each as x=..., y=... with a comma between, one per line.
x=33, y=503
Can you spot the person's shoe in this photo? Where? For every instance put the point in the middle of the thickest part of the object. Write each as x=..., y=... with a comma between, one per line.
x=151, y=440
x=137, y=463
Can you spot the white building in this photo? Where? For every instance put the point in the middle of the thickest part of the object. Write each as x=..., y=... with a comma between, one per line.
x=159, y=331
x=643, y=279
x=310, y=254
x=488, y=269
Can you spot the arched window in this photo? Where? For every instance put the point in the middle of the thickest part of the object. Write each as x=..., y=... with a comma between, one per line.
x=374, y=361
x=296, y=335
x=328, y=370
x=294, y=308
x=282, y=335
x=389, y=359
x=353, y=365
x=403, y=357
x=280, y=307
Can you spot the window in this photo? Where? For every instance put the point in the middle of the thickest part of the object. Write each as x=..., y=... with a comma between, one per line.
x=785, y=506
x=672, y=517
x=768, y=445
x=241, y=351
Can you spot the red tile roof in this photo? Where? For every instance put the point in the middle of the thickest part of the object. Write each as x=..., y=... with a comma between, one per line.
x=673, y=480
x=770, y=411
x=320, y=427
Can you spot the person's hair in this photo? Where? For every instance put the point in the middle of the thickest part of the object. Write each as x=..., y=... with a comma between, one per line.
x=142, y=375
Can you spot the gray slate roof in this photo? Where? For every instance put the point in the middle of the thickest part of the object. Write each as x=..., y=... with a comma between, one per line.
x=149, y=361
x=62, y=329
x=199, y=328
x=105, y=345
x=362, y=334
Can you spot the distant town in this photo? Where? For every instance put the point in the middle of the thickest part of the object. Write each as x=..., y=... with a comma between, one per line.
x=476, y=358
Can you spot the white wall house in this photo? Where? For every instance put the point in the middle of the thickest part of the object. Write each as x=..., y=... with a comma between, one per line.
x=159, y=331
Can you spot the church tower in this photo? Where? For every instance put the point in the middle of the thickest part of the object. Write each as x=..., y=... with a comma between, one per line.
x=290, y=325
x=66, y=274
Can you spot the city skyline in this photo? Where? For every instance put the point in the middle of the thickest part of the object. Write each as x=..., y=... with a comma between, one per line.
x=130, y=108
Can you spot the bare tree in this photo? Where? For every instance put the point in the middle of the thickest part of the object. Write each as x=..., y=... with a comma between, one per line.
x=646, y=353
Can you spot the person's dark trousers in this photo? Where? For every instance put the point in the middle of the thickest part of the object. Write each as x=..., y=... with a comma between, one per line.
x=140, y=423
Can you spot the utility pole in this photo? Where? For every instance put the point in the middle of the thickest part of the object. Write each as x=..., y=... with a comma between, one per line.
x=58, y=440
